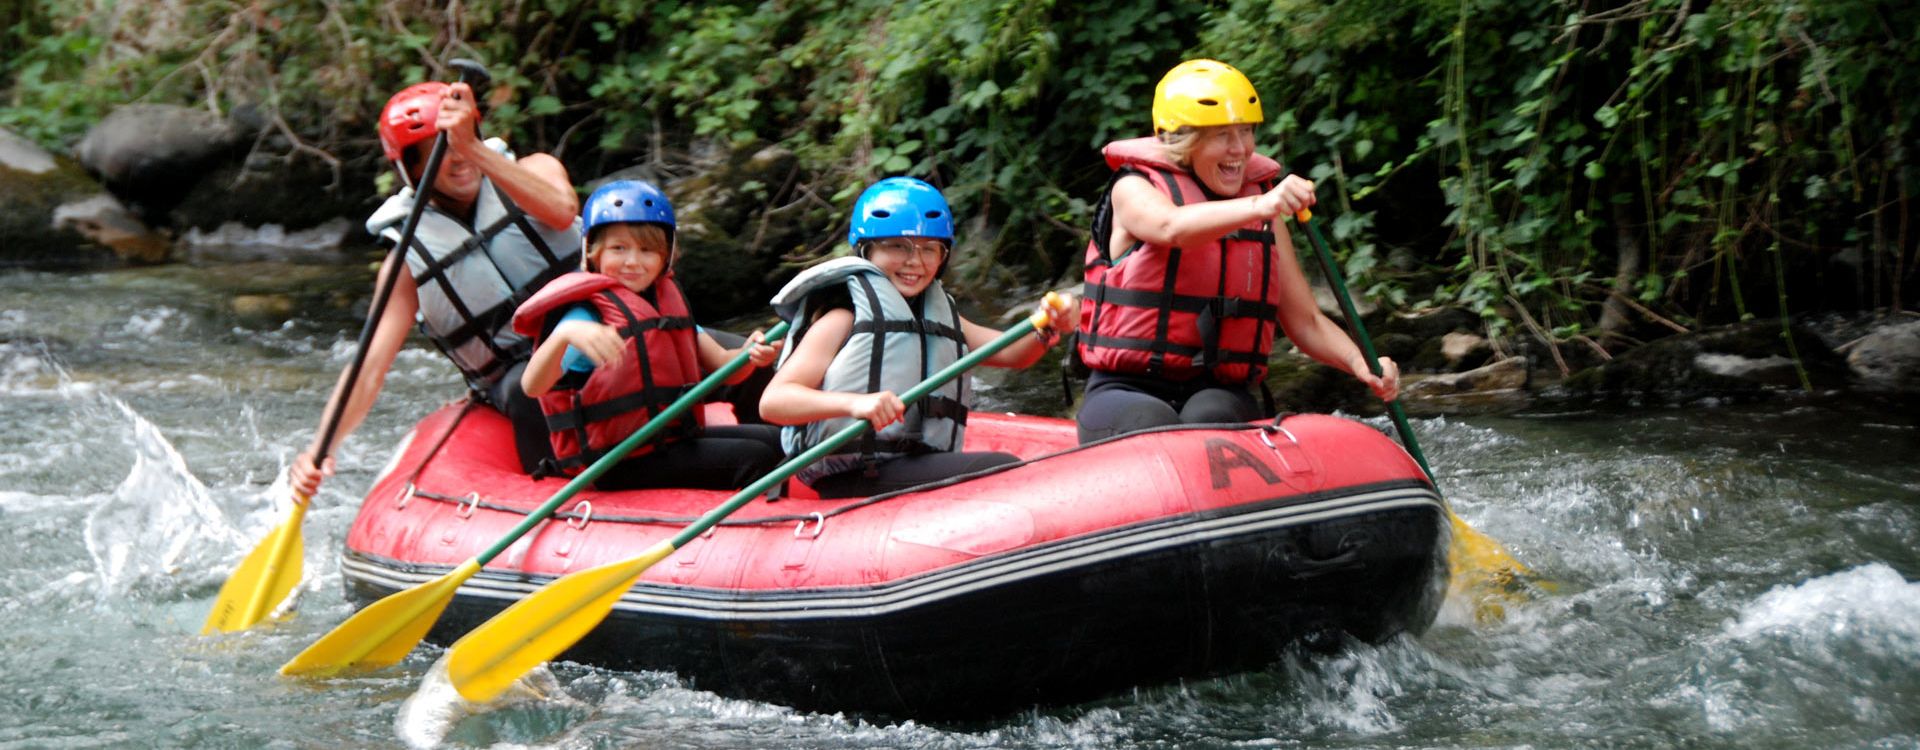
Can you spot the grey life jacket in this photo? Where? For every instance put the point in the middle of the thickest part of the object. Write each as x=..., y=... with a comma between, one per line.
x=471, y=277
x=894, y=345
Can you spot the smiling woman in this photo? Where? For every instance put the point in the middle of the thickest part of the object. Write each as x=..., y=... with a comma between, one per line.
x=1174, y=330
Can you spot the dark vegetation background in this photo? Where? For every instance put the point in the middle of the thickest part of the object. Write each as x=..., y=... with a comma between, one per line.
x=1587, y=173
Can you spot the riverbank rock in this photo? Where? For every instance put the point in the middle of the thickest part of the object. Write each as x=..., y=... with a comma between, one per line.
x=1888, y=359
x=228, y=195
x=1443, y=340
x=151, y=155
x=277, y=197
x=1300, y=384
x=50, y=202
x=737, y=220
x=1741, y=362
x=104, y=221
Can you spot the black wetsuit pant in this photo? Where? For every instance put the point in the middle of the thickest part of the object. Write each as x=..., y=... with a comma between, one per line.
x=715, y=461
x=530, y=439
x=725, y=457
x=901, y=472
x=1119, y=404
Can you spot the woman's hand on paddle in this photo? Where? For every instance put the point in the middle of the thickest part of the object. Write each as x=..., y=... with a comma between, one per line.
x=304, y=478
x=1063, y=319
x=879, y=409
x=1286, y=199
x=759, y=352
x=1386, y=385
x=599, y=341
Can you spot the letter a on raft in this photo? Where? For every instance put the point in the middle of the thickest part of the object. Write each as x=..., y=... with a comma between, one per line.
x=1224, y=454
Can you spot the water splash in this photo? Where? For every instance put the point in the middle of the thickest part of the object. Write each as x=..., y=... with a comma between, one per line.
x=1871, y=601
x=160, y=529
x=436, y=713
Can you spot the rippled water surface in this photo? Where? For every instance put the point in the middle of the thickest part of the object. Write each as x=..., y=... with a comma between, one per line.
x=1732, y=577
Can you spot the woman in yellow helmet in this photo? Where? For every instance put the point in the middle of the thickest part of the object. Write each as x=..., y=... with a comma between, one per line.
x=1189, y=271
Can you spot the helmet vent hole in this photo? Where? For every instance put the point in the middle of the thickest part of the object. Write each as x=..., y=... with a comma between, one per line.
x=1210, y=102
x=619, y=202
x=1253, y=100
x=880, y=213
x=933, y=214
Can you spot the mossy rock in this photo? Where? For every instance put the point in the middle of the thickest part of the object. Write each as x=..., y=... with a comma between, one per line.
x=733, y=251
x=1300, y=384
x=33, y=183
x=1742, y=362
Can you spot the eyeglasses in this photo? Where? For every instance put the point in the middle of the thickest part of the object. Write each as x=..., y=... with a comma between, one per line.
x=929, y=250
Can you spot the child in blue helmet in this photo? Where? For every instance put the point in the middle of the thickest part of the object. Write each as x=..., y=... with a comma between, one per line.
x=871, y=326
x=616, y=344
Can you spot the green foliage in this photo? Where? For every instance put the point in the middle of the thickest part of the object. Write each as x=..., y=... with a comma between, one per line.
x=1568, y=139
x=1525, y=158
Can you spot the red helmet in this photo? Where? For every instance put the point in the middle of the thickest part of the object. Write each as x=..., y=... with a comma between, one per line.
x=409, y=117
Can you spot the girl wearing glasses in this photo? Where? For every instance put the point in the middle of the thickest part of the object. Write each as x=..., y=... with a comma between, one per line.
x=869, y=327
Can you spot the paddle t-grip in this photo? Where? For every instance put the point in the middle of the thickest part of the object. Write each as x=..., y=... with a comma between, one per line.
x=1051, y=305
x=472, y=73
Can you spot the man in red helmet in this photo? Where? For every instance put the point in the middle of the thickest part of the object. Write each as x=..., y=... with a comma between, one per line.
x=496, y=229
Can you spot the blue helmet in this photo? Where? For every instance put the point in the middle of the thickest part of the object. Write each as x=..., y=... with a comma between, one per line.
x=901, y=207
x=623, y=201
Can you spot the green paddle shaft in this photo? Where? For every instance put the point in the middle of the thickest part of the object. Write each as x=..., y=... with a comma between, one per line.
x=659, y=422
x=1359, y=329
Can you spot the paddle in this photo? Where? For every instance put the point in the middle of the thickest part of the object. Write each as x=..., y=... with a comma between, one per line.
x=549, y=621
x=385, y=631
x=273, y=568
x=1473, y=550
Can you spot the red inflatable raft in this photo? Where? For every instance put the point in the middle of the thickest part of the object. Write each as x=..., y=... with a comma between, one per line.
x=1079, y=572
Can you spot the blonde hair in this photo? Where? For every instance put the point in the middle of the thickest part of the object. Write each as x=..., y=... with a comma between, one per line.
x=1179, y=144
x=647, y=235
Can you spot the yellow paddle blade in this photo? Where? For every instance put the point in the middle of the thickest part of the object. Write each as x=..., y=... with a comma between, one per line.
x=384, y=632
x=264, y=579
x=1484, y=572
x=487, y=661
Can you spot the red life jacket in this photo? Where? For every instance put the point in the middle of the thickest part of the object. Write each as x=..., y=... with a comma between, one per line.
x=588, y=415
x=1178, y=313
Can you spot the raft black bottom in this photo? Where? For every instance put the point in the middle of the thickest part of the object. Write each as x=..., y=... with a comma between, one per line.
x=1179, y=611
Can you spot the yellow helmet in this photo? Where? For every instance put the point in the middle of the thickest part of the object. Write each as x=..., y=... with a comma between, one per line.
x=1200, y=93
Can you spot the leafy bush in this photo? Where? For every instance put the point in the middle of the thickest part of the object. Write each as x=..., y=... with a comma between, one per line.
x=1571, y=170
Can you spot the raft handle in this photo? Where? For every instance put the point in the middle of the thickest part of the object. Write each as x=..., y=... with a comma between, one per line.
x=582, y=516
x=472, y=503
x=819, y=525
x=406, y=494
x=1265, y=432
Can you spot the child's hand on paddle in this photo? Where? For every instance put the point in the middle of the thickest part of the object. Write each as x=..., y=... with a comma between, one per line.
x=879, y=409
x=759, y=352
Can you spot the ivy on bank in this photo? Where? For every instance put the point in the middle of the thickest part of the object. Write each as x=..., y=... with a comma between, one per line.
x=1579, y=171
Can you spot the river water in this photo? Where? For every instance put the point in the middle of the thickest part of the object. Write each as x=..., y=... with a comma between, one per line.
x=1726, y=577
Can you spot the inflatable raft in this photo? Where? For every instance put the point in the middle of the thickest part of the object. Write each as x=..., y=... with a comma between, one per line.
x=1079, y=572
